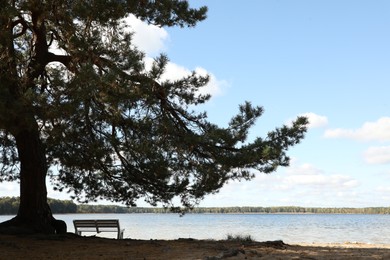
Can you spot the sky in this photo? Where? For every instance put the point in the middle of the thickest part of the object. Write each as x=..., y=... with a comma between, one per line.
x=328, y=60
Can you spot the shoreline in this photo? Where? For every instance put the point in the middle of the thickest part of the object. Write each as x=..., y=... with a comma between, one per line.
x=344, y=245
x=71, y=246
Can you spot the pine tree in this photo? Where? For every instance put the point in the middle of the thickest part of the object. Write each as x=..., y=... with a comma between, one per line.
x=112, y=129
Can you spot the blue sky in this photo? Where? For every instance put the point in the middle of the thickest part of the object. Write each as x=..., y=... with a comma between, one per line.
x=329, y=60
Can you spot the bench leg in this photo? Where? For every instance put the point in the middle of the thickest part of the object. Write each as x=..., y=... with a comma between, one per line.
x=120, y=233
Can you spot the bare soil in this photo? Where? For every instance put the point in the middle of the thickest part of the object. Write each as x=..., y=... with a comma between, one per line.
x=71, y=246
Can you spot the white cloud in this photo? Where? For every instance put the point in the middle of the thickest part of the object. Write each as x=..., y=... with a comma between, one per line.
x=298, y=185
x=370, y=131
x=377, y=155
x=10, y=189
x=174, y=71
x=382, y=193
x=315, y=121
x=311, y=177
x=383, y=189
x=303, y=169
x=316, y=180
x=305, y=177
x=215, y=86
x=148, y=38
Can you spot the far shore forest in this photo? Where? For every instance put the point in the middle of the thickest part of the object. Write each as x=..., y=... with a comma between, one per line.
x=10, y=205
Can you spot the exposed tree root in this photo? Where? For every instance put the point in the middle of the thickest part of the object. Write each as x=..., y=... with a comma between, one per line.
x=16, y=226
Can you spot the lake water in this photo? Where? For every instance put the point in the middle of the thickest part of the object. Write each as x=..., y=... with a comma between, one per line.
x=291, y=228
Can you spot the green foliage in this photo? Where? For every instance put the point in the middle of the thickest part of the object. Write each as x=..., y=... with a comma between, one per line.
x=113, y=129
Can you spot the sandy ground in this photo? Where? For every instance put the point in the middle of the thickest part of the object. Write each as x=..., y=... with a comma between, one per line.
x=70, y=246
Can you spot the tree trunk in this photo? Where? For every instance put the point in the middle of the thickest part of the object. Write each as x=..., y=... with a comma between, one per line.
x=34, y=215
x=34, y=211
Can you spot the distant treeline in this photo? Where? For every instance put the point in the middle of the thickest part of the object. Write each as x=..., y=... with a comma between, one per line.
x=10, y=205
x=294, y=210
x=236, y=210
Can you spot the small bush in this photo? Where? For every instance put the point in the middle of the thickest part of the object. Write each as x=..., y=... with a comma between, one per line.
x=239, y=238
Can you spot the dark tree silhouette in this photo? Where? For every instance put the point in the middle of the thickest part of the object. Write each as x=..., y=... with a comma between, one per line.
x=112, y=129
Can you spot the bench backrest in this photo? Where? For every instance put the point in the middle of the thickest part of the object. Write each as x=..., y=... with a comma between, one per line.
x=96, y=223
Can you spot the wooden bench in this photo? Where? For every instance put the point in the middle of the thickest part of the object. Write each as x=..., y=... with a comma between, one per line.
x=97, y=225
